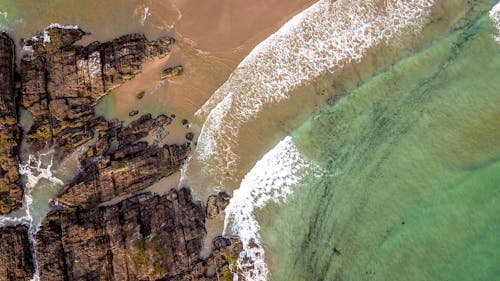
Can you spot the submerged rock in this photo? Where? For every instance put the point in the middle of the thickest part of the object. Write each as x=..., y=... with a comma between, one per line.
x=15, y=255
x=133, y=113
x=10, y=191
x=146, y=237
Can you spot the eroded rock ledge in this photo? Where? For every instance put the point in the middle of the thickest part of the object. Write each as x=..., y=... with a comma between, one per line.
x=15, y=255
x=10, y=191
x=62, y=82
x=122, y=162
x=146, y=237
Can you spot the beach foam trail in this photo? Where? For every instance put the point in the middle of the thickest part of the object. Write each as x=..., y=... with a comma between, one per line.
x=271, y=180
x=495, y=18
x=34, y=171
x=322, y=39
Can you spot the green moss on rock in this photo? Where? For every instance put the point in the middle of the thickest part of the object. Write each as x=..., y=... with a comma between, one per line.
x=150, y=254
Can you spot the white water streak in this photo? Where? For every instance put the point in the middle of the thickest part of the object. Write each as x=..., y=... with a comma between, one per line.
x=34, y=171
x=271, y=180
x=495, y=18
x=324, y=38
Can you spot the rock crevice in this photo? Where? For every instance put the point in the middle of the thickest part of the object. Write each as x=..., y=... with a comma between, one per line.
x=62, y=82
x=146, y=237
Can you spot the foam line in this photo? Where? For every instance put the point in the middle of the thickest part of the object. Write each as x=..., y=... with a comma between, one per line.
x=272, y=179
x=495, y=18
x=324, y=38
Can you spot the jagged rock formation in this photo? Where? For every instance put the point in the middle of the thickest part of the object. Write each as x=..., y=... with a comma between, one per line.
x=61, y=82
x=15, y=254
x=143, y=237
x=10, y=192
x=146, y=237
x=216, y=204
x=132, y=165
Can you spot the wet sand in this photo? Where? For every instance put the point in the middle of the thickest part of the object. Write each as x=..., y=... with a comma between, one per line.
x=212, y=36
x=209, y=48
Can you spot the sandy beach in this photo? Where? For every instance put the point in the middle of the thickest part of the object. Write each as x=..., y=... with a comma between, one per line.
x=212, y=38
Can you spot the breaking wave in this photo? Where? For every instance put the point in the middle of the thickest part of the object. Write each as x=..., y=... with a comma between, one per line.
x=271, y=180
x=322, y=39
x=495, y=18
x=34, y=170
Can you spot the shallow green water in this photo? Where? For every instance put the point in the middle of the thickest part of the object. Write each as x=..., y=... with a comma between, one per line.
x=414, y=185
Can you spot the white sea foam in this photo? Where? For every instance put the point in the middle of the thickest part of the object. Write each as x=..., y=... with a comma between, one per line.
x=45, y=37
x=324, y=38
x=143, y=13
x=495, y=18
x=63, y=26
x=272, y=179
x=34, y=170
x=4, y=15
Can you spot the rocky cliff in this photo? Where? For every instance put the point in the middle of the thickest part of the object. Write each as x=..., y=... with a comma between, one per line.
x=62, y=82
x=134, y=235
x=15, y=255
x=10, y=192
x=123, y=161
x=146, y=237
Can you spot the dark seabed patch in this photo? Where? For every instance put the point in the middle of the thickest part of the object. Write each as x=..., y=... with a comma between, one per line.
x=415, y=161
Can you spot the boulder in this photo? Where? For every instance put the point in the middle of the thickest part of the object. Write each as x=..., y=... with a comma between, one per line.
x=172, y=71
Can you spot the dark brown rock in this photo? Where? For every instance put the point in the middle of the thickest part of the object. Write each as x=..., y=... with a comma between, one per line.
x=172, y=71
x=140, y=95
x=146, y=237
x=10, y=192
x=132, y=165
x=216, y=204
x=15, y=255
x=190, y=136
x=62, y=83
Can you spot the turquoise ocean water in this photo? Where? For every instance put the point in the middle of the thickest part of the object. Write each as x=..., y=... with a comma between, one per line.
x=412, y=189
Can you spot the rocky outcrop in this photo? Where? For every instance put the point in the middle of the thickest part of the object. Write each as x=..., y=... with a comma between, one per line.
x=146, y=237
x=123, y=162
x=216, y=204
x=134, y=235
x=62, y=82
x=10, y=192
x=15, y=255
x=172, y=71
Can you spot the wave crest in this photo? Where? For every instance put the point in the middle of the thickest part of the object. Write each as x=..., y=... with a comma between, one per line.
x=272, y=179
x=323, y=38
x=495, y=18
